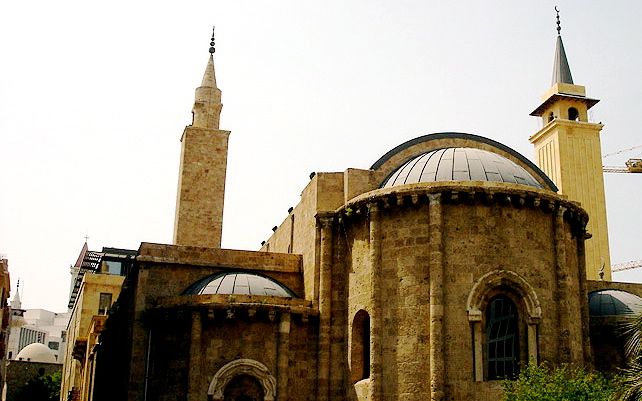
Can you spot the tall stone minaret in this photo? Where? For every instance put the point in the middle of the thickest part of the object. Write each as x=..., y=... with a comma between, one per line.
x=201, y=177
x=568, y=150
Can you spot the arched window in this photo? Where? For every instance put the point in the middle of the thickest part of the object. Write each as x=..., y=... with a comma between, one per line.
x=360, y=347
x=573, y=114
x=502, y=339
x=493, y=299
x=551, y=116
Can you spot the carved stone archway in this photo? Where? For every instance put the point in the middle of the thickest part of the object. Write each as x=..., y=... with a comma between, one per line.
x=242, y=367
x=476, y=299
x=495, y=279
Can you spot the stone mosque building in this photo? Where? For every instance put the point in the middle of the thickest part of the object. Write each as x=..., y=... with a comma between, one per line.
x=447, y=265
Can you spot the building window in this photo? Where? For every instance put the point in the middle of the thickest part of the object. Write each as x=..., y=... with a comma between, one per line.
x=104, y=303
x=573, y=114
x=28, y=336
x=551, y=116
x=54, y=345
x=360, y=347
x=502, y=342
x=114, y=267
x=504, y=315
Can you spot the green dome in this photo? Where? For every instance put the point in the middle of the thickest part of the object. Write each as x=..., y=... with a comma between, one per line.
x=613, y=303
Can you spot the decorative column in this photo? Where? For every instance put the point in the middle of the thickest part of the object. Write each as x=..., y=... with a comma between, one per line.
x=475, y=320
x=376, y=317
x=581, y=258
x=339, y=373
x=193, y=389
x=436, y=266
x=533, y=352
x=325, y=306
x=283, y=355
x=564, y=345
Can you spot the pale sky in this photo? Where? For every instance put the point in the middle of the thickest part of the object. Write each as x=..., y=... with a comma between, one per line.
x=94, y=97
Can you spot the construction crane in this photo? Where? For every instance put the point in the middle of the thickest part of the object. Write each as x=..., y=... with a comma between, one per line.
x=626, y=266
x=631, y=165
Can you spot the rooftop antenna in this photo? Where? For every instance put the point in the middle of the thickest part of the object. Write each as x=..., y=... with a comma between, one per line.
x=559, y=27
x=212, y=49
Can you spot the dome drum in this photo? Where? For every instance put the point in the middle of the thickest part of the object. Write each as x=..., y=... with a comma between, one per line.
x=230, y=306
x=484, y=193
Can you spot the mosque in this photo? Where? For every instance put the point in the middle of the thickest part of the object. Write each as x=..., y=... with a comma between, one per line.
x=447, y=265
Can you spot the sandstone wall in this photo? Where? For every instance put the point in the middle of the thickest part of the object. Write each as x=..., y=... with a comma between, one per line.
x=223, y=340
x=476, y=239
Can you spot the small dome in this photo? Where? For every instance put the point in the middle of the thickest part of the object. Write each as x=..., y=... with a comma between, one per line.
x=459, y=164
x=36, y=352
x=613, y=303
x=239, y=283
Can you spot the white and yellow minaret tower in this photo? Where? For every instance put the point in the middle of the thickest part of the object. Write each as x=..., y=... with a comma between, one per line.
x=201, y=177
x=568, y=150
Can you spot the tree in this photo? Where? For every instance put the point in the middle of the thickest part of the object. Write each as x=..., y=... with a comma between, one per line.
x=53, y=383
x=41, y=388
x=565, y=383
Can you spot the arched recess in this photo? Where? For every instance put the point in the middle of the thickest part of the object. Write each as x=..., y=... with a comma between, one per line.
x=360, y=347
x=478, y=297
x=237, y=367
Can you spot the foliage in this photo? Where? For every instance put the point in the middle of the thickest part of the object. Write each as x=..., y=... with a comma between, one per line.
x=565, y=383
x=41, y=388
x=631, y=388
x=53, y=382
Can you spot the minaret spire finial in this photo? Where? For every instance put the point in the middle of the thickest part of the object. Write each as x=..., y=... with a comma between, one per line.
x=561, y=70
x=212, y=48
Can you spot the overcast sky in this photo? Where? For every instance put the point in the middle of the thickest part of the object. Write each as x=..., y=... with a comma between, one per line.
x=94, y=97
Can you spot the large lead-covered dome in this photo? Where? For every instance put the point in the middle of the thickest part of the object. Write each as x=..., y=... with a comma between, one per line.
x=241, y=283
x=459, y=164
